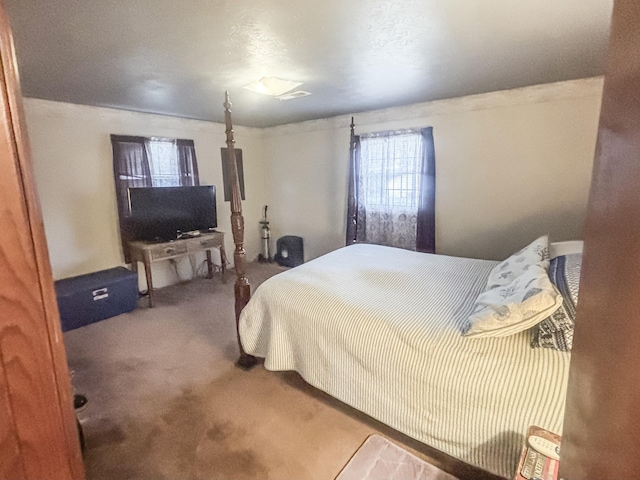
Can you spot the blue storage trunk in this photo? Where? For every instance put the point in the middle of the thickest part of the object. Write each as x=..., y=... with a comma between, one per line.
x=95, y=296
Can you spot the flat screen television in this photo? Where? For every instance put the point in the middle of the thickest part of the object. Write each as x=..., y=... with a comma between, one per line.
x=164, y=213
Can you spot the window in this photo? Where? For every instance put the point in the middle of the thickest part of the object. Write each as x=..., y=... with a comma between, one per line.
x=163, y=163
x=150, y=162
x=390, y=166
x=391, y=197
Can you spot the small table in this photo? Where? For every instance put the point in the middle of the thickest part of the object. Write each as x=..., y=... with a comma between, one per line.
x=149, y=252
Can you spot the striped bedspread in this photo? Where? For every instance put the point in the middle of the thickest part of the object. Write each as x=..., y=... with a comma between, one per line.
x=380, y=328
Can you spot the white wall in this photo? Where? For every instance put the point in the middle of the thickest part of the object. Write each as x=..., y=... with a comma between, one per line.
x=510, y=166
x=73, y=166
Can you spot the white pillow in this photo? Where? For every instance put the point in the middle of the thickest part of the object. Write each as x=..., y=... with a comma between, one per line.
x=557, y=249
x=536, y=253
x=512, y=308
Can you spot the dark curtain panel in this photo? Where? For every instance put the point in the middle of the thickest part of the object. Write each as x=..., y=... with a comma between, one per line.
x=187, y=163
x=426, y=225
x=130, y=169
x=354, y=221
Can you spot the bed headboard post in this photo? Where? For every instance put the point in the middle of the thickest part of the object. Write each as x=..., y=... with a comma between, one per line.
x=352, y=204
x=242, y=286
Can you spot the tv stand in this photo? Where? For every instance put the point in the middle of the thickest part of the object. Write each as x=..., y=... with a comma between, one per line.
x=149, y=252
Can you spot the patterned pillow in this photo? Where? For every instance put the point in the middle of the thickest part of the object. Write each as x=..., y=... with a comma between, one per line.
x=556, y=331
x=506, y=271
x=512, y=308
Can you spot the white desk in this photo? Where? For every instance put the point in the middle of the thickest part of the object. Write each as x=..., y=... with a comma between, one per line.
x=148, y=252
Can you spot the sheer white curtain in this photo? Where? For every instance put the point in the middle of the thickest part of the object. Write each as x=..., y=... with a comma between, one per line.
x=389, y=186
x=172, y=162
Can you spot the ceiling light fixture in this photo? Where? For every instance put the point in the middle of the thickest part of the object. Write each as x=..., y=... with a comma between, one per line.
x=292, y=95
x=272, y=86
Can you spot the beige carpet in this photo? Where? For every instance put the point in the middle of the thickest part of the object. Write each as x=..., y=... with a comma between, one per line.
x=167, y=402
x=380, y=459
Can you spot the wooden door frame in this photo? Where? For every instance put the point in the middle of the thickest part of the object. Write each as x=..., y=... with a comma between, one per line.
x=602, y=416
x=38, y=433
x=37, y=423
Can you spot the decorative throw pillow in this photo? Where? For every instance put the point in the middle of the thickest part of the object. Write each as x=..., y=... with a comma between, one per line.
x=515, y=307
x=556, y=331
x=506, y=271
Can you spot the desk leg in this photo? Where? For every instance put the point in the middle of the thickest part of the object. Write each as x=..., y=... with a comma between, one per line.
x=147, y=273
x=134, y=268
x=209, y=264
x=223, y=260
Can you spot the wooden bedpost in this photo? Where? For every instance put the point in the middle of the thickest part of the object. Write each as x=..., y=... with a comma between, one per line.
x=352, y=204
x=242, y=286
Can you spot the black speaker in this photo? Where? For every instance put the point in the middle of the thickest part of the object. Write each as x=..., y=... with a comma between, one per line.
x=289, y=251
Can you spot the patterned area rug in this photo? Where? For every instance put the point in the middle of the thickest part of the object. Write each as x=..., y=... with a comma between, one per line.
x=380, y=459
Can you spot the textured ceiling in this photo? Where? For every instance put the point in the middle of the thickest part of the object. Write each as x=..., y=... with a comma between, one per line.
x=177, y=57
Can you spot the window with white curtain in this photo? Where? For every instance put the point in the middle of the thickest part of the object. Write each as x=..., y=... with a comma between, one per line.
x=164, y=165
x=390, y=167
x=150, y=162
x=391, y=197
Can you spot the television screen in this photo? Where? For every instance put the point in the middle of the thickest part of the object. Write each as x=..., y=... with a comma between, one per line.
x=162, y=213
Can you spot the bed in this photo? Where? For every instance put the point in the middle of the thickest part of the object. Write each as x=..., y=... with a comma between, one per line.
x=380, y=329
